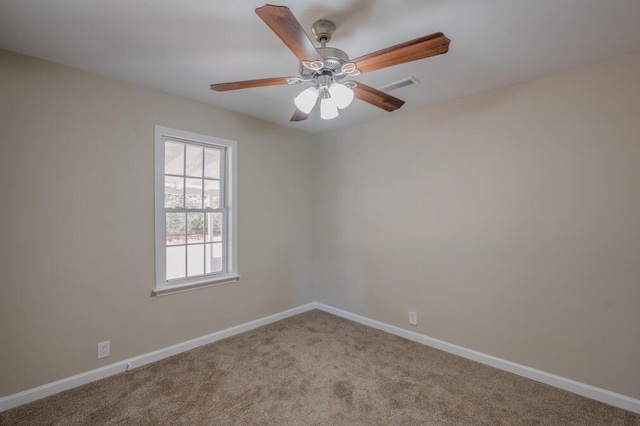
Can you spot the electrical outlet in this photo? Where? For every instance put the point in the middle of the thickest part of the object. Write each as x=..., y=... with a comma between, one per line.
x=104, y=349
x=413, y=318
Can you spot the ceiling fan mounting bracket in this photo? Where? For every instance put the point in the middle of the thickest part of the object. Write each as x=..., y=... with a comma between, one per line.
x=323, y=30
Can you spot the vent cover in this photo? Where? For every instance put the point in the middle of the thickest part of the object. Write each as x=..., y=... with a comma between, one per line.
x=399, y=84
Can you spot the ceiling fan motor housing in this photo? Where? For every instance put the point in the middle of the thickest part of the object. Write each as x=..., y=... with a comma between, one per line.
x=332, y=59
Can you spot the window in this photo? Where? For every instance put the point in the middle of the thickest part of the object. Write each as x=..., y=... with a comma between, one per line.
x=195, y=211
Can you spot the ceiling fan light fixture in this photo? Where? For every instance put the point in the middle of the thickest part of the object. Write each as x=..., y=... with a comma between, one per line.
x=328, y=109
x=341, y=94
x=306, y=100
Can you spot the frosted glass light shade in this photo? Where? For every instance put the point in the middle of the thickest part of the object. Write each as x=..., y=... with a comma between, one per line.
x=341, y=94
x=306, y=100
x=328, y=109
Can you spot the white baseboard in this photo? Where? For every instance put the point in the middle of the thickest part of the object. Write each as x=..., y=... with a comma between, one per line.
x=49, y=389
x=579, y=388
x=598, y=394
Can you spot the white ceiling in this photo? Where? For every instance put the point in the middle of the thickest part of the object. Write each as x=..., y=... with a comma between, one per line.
x=182, y=46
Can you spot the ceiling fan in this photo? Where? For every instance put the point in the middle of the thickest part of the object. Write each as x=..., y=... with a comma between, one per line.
x=326, y=68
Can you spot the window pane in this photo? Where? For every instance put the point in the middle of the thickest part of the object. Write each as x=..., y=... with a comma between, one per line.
x=195, y=260
x=175, y=262
x=211, y=194
x=212, y=163
x=213, y=231
x=213, y=261
x=195, y=228
x=194, y=193
x=194, y=160
x=175, y=228
x=173, y=197
x=173, y=158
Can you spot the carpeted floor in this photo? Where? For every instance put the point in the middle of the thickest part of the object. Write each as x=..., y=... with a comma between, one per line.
x=316, y=369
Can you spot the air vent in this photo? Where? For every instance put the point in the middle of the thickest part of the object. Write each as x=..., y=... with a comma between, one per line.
x=399, y=84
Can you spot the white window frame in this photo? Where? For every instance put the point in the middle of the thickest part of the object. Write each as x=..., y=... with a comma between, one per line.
x=230, y=199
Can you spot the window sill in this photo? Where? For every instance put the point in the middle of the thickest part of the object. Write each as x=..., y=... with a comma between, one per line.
x=228, y=279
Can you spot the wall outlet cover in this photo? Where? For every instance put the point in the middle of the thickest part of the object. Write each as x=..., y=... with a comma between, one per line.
x=104, y=349
x=413, y=318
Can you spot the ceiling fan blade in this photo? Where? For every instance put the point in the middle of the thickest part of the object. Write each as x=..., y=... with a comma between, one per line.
x=286, y=26
x=377, y=97
x=247, y=84
x=420, y=48
x=299, y=116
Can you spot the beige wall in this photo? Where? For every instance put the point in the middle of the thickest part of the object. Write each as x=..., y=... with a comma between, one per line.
x=76, y=222
x=509, y=221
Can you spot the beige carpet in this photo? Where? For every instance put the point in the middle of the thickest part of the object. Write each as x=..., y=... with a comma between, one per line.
x=316, y=369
